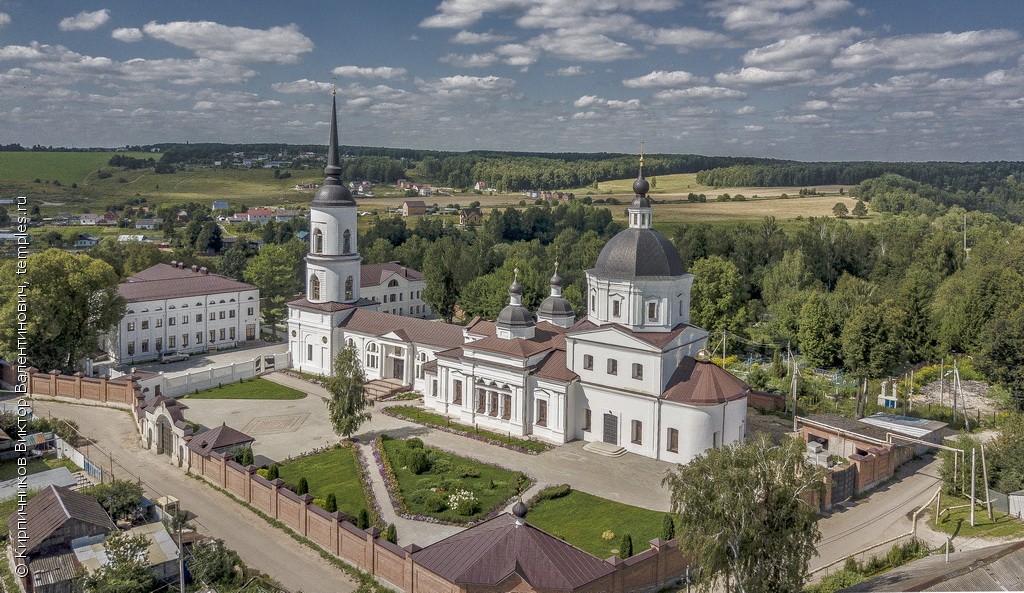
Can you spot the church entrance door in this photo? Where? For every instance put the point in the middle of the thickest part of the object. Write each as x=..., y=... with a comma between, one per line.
x=611, y=429
x=166, y=439
x=398, y=369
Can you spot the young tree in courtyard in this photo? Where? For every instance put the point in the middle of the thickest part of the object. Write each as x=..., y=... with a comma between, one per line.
x=72, y=301
x=127, y=567
x=348, y=403
x=742, y=516
x=439, y=273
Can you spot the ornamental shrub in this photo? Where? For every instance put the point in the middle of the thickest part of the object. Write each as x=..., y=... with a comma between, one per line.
x=435, y=502
x=626, y=547
x=273, y=471
x=303, y=487
x=419, y=462
x=331, y=504
x=668, y=528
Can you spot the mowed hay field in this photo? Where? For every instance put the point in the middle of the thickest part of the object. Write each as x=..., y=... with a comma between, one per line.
x=66, y=167
x=685, y=183
x=788, y=208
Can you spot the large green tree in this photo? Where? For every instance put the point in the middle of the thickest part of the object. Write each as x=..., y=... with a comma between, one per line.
x=439, y=273
x=784, y=289
x=69, y=302
x=820, y=332
x=348, y=403
x=120, y=498
x=214, y=563
x=717, y=297
x=127, y=567
x=742, y=516
x=278, y=272
x=1001, y=356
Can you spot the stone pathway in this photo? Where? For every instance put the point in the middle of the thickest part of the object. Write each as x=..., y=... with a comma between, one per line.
x=420, y=533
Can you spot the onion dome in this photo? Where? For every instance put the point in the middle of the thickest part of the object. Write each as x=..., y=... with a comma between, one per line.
x=555, y=306
x=515, y=315
x=520, y=509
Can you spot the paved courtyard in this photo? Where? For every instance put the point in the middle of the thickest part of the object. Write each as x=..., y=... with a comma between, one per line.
x=205, y=360
x=286, y=429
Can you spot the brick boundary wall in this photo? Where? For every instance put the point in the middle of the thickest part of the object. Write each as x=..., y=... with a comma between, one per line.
x=645, y=572
x=763, y=400
x=77, y=386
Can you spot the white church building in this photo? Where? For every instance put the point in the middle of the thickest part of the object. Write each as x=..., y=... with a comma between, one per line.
x=632, y=373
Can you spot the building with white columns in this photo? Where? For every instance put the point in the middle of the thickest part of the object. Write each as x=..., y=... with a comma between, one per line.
x=633, y=373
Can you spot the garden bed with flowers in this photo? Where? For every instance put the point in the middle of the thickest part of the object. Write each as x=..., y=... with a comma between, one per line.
x=441, y=422
x=428, y=484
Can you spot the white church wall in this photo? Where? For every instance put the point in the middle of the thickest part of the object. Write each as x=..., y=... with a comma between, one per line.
x=696, y=426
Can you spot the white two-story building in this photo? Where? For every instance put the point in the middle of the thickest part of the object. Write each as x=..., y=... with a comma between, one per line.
x=186, y=309
x=398, y=289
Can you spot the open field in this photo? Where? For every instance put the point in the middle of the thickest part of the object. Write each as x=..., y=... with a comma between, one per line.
x=66, y=167
x=684, y=183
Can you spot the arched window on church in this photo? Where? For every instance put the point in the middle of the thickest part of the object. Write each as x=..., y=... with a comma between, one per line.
x=348, y=288
x=346, y=240
x=314, y=288
x=318, y=241
x=393, y=283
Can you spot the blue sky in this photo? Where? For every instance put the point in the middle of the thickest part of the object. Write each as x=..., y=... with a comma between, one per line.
x=800, y=79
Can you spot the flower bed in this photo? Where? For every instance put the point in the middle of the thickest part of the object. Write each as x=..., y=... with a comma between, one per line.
x=443, y=423
x=435, y=495
x=308, y=378
x=329, y=470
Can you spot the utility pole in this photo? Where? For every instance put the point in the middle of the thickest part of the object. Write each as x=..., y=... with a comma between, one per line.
x=953, y=392
x=723, y=347
x=973, y=455
x=181, y=555
x=984, y=475
x=942, y=381
x=792, y=382
x=910, y=394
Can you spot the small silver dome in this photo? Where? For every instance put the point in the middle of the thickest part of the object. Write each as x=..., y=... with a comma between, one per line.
x=515, y=316
x=555, y=307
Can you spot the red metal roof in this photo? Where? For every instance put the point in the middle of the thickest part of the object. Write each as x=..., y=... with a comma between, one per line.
x=487, y=554
x=218, y=438
x=372, y=274
x=420, y=331
x=52, y=508
x=659, y=339
x=554, y=367
x=703, y=384
x=164, y=281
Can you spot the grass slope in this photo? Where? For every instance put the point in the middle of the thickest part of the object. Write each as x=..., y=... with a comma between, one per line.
x=251, y=389
x=66, y=167
x=582, y=519
x=335, y=470
x=958, y=521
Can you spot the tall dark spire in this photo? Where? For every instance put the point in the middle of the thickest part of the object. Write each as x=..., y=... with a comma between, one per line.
x=333, y=168
x=332, y=193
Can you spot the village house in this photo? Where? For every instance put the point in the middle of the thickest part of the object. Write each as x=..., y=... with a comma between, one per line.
x=470, y=216
x=84, y=241
x=258, y=215
x=147, y=224
x=413, y=208
x=90, y=219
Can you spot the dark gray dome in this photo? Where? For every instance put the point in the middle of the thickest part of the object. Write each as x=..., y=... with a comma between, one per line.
x=556, y=280
x=332, y=196
x=638, y=253
x=520, y=509
x=515, y=316
x=641, y=186
x=516, y=287
x=555, y=307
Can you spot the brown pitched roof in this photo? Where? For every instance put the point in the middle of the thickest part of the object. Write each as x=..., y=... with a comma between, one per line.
x=164, y=281
x=515, y=347
x=49, y=510
x=217, y=438
x=659, y=339
x=703, y=384
x=372, y=274
x=430, y=367
x=487, y=554
x=420, y=331
x=554, y=367
x=481, y=326
x=174, y=407
x=328, y=307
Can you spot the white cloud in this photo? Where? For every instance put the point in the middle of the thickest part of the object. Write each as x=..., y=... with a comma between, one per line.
x=746, y=110
x=204, y=105
x=913, y=114
x=385, y=72
x=85, y=21
x=585, y=46
x=5, y=19
x=469, y=61
x=661, y=78
x=816, y=105
x=460, y=86
x=282, y=45
x=930, y=51
x=759, y=76
x=303, y=85
x=800, y=52
x=686, y=38
x=768, y=17
x=185, y=72
x=753, y=128
x=359, y=102
x=807, y=118
x=469, y=38
x=567, y=71
x=703, y=92
x=127, y=34
x=518, y=54
x=453, y=14
x=587, y=101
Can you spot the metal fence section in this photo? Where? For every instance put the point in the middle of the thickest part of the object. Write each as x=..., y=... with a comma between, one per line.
x=1000, y=501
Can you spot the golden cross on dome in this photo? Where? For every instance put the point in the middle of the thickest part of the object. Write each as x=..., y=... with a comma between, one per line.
x=641, y=153
x=516, y=270
x=556, y=264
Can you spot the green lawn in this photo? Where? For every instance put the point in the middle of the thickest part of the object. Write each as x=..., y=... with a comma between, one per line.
x=430, y=493
x=421, y=416
x=583, y=519
x=335, y=470
x=958, y=521
x=66, y=167
x=251, y=389
x=9, y=469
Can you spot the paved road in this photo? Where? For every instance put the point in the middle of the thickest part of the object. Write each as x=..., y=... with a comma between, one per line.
x=262, y=546
x=883, y=515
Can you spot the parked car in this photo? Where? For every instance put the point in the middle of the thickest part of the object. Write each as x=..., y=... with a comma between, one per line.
x=172, y=356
